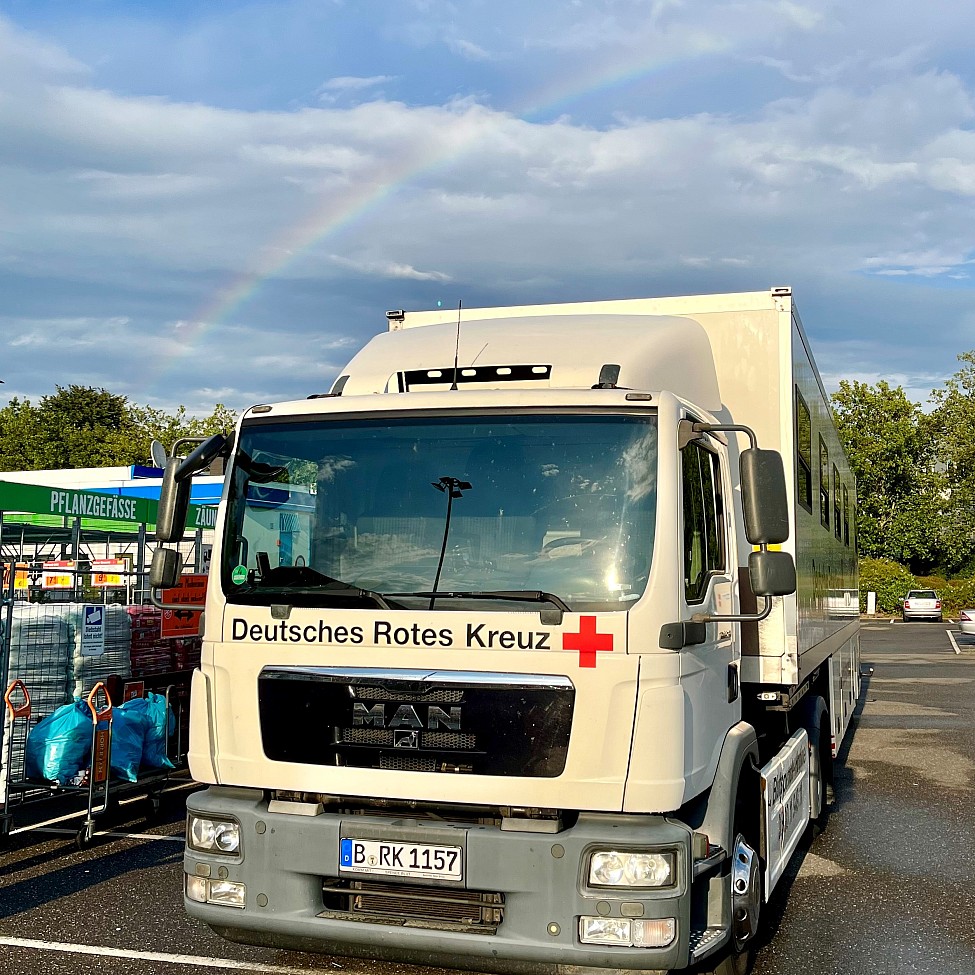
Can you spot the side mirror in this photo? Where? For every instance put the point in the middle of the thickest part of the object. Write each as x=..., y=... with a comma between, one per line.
x=174, y=495
x=764, y=499
x=167, y=564
x=771, y=573
x=174, y=501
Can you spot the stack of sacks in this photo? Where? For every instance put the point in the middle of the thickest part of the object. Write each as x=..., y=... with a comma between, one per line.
x=186, y=652
x=40, y=656
x=150, y=655
x=116, y=659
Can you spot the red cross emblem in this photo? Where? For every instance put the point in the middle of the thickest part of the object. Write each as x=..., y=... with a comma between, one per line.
x=587, y=641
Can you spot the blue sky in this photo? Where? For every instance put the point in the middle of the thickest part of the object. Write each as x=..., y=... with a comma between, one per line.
x=218, y=202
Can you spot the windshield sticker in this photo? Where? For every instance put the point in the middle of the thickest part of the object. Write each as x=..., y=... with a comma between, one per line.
x=239, y=575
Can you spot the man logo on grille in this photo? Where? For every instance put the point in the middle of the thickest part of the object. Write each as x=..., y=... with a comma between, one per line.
x=406, y=716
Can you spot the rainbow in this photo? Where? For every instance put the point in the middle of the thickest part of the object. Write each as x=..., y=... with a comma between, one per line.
x=334, y=215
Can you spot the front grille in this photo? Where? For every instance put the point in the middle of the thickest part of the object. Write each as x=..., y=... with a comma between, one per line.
x=440, y=696
x=412, y=906
x=408, y=763
x=478, y=724
x=385, y=738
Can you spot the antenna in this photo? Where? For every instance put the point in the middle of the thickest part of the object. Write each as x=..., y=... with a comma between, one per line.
x=460, y=305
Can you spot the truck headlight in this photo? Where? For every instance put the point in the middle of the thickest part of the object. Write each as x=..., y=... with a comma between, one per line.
x=227, y=893
x=626, y=932
x=213, y=835
x=615, y=868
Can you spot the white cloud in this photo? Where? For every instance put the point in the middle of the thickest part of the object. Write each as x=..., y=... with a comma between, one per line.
x=252, y=250
x=348, y=83
x=348, y=87
x=469, y=50
x=386, y=269
x=23, y=53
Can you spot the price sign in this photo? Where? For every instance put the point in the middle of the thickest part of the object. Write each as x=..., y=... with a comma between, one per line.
x=58, y=575
x=107, y=573
x=21, y=578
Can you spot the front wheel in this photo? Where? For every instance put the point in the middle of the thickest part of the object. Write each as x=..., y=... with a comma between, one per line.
x=746, y=899
x=746, y=913
x=746, y=907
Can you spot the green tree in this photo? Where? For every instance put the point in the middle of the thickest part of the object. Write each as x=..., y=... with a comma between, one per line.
x=951, y=429
x=899, y=491
x=888, y=579
x=18, y=431
x=167, y=428
x=80, y=426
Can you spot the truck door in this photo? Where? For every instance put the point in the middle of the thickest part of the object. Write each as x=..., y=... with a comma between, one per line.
x=709, y=671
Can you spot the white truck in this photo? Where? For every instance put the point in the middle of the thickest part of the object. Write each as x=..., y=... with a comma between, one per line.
x=521, y=650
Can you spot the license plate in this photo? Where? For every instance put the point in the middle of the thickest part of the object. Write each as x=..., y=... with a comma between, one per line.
x=401, y=859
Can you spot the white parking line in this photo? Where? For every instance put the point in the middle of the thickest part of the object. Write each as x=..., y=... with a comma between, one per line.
x=78, y=814
x=165, y=958
x=951, y=636
x=50, y=826
x=108, y=833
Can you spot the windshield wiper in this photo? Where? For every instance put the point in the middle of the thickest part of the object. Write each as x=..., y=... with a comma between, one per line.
x=305, y=579
x=517, y=595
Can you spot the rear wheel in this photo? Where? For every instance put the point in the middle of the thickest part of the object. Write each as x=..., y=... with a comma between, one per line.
x=821, y=772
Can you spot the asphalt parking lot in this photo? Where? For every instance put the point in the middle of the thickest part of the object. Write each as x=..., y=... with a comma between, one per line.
x=885, y=890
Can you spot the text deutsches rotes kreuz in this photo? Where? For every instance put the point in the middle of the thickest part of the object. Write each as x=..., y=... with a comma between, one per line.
x=383, y=633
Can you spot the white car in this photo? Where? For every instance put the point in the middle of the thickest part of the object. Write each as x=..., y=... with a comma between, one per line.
x=921, y=604
x=966, y=620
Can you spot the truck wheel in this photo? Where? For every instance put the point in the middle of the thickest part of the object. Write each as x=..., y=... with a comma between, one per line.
x=746, y=906
x=823, y=773
x=746, y=898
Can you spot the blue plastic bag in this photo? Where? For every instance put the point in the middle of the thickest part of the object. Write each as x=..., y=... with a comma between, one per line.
x=59, y=746
x=157, y=716
x=129, y=727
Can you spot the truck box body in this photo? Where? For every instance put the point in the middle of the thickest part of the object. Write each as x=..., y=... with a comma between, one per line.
x=487, y=603
x=758, y=356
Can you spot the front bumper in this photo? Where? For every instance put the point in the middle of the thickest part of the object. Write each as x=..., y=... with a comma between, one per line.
x=541, y=878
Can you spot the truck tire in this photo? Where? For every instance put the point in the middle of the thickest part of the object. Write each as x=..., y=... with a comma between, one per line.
x=819, y=728
x=746, y=889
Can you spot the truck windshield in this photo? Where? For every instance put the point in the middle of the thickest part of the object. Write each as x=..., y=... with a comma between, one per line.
x=353, y=511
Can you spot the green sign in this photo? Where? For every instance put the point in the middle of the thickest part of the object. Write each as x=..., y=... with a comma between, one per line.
x=70, y=503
